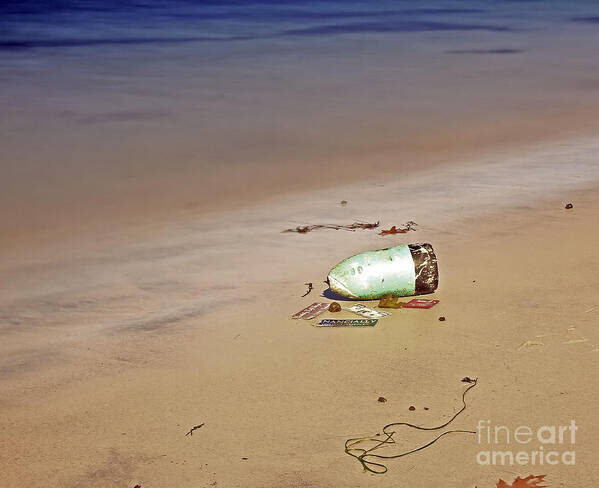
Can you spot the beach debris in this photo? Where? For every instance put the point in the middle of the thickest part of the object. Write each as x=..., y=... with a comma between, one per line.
x=369, y=313
x=569, y=206
x=310, y=288
x=399, y=230
x=343, y=202
x=528, y=482
x=347, y=323
x=311, y=311
x=195, y=427
x=382, y=400
x=334, y=307
x=466, y=379
x=303, y=229
x=409, y=269
x=389, y=301
x=421, y=303
x=367, y=449
x=527, y=344
x=244, y=459
x=412, y=408
x=442, y=319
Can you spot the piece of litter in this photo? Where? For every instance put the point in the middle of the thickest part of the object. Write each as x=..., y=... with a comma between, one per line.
x=311, y=311
x=347, y=323
x=421, y=303
x=403, y=270
x=389, y=301
x=369, y=313
x=334, y=307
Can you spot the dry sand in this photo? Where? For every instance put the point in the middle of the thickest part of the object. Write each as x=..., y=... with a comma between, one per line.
x=112, y=350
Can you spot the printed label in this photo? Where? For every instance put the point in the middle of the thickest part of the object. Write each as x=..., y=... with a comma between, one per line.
x=311, y=311
x=347, y=323
x=369, y=313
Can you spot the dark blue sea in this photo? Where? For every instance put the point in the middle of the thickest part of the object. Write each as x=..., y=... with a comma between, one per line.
x=32, y=24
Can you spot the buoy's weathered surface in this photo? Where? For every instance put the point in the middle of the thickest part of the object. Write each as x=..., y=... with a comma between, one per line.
x=404, y=270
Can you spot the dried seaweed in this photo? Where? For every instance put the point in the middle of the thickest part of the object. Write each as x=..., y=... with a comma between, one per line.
x=399, y=230
x=310, y=288
x=304, y=229
x=195, y=427
x=361, y=454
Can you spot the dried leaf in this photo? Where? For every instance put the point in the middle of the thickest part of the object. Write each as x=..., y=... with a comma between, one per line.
x=528, y=482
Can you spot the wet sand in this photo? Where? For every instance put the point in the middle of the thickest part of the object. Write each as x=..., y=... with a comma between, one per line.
x=113, y=349
x=96, y=139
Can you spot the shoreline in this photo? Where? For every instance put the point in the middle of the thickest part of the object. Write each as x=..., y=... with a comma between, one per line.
x=125, y=222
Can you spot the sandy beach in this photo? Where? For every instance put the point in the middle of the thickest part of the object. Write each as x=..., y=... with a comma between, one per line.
x=112, y=351
x=154, y=152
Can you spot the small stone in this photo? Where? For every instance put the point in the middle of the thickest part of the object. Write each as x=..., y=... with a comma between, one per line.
x=343, y=202
x=426, y=408
x=441, y=319
x=334, y=307
x=382, y=400
x=244, y=458
x=412, y=408
x=569, y=206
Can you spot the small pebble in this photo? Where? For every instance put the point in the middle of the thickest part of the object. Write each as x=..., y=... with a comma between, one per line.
x=334, y=307
x=382, y=400
x=426, y=408
x=412, y=408
x=569, y=206
x=441, y=319
x=343, y=202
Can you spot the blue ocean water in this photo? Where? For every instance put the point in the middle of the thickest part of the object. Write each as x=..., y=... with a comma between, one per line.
x=34, y=24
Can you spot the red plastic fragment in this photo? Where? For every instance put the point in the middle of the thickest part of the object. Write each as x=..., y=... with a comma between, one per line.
x=421, y=303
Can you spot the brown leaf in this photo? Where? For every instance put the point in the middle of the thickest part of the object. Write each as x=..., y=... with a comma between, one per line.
x=528, y=482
